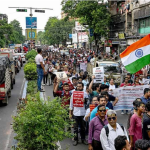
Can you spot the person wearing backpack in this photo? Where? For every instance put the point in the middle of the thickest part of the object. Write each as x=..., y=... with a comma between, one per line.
x=65, y=94
x=111, y=131
x=95, y=127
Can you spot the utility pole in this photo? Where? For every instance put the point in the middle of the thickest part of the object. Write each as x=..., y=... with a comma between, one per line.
x=24, y=9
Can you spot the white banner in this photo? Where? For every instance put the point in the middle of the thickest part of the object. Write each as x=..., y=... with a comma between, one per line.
x=61, y=76
x=74, y=38
x=78, y=26
x=127, y=95
x=83, y=37
x=83, y=66
x=98, y=72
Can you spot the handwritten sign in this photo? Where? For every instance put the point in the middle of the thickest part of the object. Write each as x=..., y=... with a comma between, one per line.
x=78, y=99
x=61, y=76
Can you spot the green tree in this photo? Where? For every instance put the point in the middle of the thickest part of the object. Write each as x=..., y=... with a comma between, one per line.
x=5, y=32
x=90, y=13
x=57, y=31
x=17, y=36
x=41, y=37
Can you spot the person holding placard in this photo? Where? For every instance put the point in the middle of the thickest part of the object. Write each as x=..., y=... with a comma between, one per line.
x=77, y=111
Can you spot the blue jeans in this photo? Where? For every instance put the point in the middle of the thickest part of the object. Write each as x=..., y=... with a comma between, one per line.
x=40, y=77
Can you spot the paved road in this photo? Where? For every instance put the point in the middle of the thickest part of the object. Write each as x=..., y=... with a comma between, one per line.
x=67, y=143
x=6, y=134
x=7, y=111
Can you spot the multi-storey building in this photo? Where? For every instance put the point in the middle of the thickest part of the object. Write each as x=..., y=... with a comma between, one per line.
x=130, y=22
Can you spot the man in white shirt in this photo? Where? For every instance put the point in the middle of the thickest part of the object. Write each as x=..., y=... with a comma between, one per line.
x=110, y=132
x=40, y=68
x=78, y=115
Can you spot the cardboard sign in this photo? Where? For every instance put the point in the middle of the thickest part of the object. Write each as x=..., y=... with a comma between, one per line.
x=98, y=72
x=78, y=99
x=61, y=76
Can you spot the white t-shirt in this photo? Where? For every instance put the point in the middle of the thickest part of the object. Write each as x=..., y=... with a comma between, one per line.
x=38, y=59
x=111, y=87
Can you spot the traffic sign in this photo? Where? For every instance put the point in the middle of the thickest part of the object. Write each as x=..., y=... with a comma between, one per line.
x=21, y=10
x=40, y=11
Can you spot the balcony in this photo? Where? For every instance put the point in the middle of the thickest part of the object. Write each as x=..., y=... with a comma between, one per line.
x=142, y=13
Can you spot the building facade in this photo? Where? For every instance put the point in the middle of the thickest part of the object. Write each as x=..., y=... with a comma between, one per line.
x=130, y=22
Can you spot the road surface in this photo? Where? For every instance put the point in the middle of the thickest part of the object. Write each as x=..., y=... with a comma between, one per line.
x=6, y=113
x=6, y=133
x=67, y=143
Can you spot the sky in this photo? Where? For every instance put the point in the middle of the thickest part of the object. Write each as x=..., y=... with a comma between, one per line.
x=42, y=18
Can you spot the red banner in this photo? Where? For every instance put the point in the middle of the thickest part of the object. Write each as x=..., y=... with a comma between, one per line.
x=78, y=99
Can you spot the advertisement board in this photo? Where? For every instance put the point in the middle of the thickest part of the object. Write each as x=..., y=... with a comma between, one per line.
x=78, y=26
x=31, y=22
x=74, y=38
x=28, y=34
x=83, y=37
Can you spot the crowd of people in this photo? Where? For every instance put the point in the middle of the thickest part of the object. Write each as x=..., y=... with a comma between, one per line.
x=96, y=119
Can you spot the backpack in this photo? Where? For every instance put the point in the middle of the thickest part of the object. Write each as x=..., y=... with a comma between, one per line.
x=107, y=129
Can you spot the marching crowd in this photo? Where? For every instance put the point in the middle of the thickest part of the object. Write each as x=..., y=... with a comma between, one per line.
x=96, y=119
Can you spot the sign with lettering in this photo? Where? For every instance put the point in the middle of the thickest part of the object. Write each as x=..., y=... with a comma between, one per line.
x=78, y=97
x=127, y=95
x=98, y=72
x=61, y=76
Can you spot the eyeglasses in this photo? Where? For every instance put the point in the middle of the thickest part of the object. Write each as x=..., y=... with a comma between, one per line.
x=112, y=118
x=102, y=110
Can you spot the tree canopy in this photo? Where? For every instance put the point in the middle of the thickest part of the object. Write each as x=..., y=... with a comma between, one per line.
x=90, y=13
x=56, y=31
x=10, y=33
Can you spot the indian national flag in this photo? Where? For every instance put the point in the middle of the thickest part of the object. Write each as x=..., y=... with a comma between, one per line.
x=137, y=55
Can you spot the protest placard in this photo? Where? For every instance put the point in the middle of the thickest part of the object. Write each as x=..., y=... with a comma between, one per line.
x=78, y=99
x=127, y=95
x=92, y=106
x=98, y=72
x=61, y=76
x=71, y=87
x=83, y=66
x=146, y=81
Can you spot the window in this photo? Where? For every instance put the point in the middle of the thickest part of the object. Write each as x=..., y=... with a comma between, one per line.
x=147, y=22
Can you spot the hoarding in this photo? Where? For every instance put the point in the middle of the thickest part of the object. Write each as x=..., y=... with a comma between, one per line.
x=28, y=34
x=31, y=22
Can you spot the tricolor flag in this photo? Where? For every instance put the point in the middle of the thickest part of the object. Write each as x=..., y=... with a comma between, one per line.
x=137, y=55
